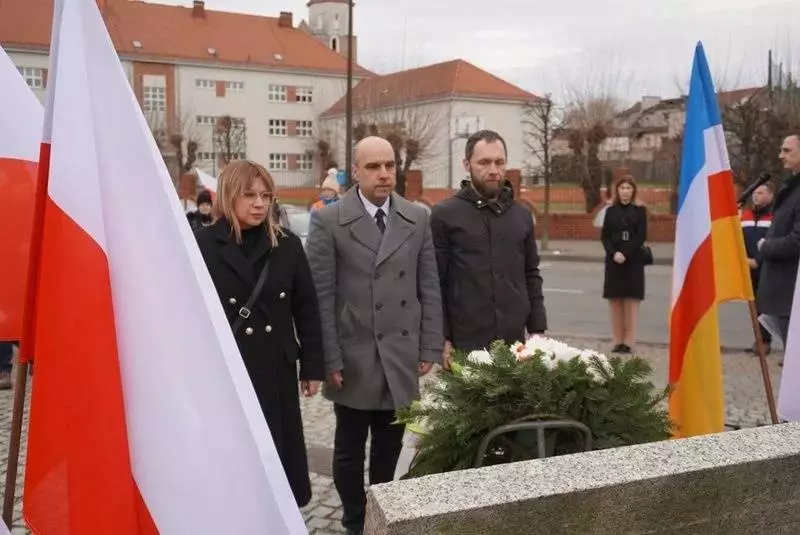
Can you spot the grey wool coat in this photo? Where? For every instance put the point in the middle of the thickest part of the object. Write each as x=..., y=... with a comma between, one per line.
x=379, y=300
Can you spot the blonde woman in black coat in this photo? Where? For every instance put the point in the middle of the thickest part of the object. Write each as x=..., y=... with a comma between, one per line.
x=236, y=248
x=624, y=234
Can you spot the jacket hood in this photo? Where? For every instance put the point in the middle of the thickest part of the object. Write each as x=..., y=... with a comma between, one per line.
x=499, y=205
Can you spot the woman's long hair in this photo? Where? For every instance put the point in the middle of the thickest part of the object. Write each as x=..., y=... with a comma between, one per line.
x=625, y=180
x=233, y=181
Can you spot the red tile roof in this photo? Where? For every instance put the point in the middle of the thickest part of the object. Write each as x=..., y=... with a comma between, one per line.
x=451, y=79
x=171, y=34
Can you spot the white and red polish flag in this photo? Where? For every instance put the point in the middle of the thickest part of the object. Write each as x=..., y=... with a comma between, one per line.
x=143, y=419
x=21, y=116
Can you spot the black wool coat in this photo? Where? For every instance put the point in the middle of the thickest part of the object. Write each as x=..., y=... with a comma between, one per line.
x=780, y=253
x=267, y=339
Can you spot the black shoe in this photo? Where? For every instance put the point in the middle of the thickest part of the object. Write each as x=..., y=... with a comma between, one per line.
x=355, y=531
x=618, y=348
x=624, y=348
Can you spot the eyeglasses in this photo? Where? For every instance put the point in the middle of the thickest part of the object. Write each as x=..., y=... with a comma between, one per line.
x=252, y=196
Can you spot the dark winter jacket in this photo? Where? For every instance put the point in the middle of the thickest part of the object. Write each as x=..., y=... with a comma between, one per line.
x=780, y=253
x=488, y=269
x=755, y=225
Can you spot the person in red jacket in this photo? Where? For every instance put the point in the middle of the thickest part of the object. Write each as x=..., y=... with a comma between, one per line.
x=756, y=221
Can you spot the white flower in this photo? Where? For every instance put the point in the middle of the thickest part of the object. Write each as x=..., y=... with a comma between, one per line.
x=521, y=351
x=553, y=350
x=480, y=357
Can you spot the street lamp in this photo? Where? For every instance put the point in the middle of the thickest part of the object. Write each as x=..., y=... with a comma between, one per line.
x=348, y=121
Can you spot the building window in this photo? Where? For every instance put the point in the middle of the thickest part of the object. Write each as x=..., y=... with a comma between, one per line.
x=154, y=99
x=278, y=162
x=234, y=86
x=206, y=156
x=277, y=93
x=305, y=128
x=335, y=44
x=306, y=162
x=207, y=120
x=277, y=127
x=304, y=94
x=205, y=84
x=34, y=77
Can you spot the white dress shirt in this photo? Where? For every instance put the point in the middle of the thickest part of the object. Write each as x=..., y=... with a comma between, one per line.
x=372, y=209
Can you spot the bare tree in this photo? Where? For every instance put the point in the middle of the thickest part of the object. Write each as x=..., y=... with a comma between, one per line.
x=323, y=148
x=230, y=139
x=589, y=121
x=177, y=140
x=540, y=121
x=394, y=112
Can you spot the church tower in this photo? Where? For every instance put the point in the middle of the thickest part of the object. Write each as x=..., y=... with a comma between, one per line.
x=327, y=20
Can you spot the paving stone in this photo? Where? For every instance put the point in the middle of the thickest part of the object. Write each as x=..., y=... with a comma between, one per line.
x=318, y=523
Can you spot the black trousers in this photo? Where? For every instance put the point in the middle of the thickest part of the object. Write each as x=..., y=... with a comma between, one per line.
x=765, y=336
x=352, y=426
x=6, y=356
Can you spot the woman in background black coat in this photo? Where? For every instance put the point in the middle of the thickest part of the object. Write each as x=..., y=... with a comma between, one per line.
x=236, y=248
x=624, y=234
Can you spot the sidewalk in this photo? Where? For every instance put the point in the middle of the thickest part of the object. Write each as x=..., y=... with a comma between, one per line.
x=592, y=251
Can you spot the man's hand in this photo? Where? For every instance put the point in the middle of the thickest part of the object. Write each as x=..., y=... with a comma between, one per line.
x=752, y=263
x=336, y=380
x=760, y=243
x=425, y=368
x=619, y=258
x=447, y=355
x=309, y=388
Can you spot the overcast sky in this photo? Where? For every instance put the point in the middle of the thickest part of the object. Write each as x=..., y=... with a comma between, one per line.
x=634, y=47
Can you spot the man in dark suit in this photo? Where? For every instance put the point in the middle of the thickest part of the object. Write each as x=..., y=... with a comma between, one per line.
x=374, y=267
x=780, y=249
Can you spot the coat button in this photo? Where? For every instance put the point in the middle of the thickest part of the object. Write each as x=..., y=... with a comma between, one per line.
x=232, y=300
x=377, y=276
x=248, y=331
x=268, y=328
x=402, y=273
x=282, y=295
x=378, y=306
x=403, y=303
x=380, y=336
x=405, y=332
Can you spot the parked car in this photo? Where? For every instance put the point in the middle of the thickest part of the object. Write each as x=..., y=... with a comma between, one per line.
x=298, y=220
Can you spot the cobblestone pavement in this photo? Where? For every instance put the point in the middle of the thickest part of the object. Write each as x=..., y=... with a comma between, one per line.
x=746, y=406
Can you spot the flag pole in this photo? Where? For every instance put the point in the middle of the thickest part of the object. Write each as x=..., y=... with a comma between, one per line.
x=762, y=359
x=25, y=354
x=17, y=411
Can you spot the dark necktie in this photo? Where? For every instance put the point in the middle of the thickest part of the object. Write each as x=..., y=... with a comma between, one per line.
x=380, y=219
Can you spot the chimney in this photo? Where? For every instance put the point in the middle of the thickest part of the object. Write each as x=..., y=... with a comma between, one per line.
x=199, y=9
x=285, y=20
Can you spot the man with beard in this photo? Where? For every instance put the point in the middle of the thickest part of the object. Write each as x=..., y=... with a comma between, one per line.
x=487, y=257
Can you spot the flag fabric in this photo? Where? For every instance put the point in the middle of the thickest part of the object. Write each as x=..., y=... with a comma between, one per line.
x=143, y=419
x=710, y=263
x=21, y=116
x=207, y=181
x=788, y=395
